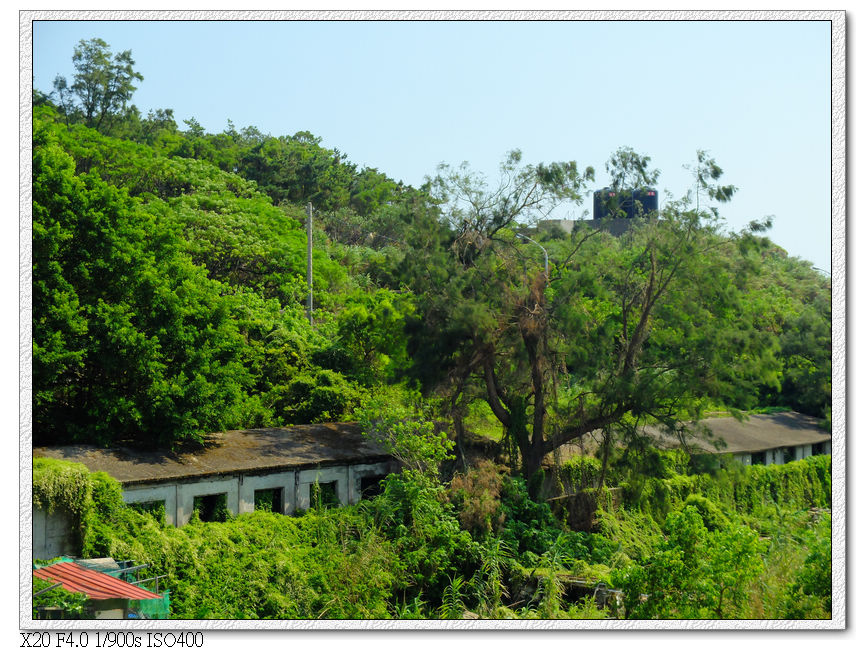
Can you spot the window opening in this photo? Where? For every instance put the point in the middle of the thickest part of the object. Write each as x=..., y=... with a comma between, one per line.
x=211, y=507
x=155, y=509
x=269, y=500
x=323, y=495
x=370, y=486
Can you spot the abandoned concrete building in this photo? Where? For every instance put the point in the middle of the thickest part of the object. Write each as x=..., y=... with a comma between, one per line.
x=282, y=468
x=771, y=439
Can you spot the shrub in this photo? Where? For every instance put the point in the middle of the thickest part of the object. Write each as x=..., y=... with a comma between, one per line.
x=475, y=495
x=321, y=396
x=810, y=594
x=396, y=419
x=711, y=513
x=579, y=473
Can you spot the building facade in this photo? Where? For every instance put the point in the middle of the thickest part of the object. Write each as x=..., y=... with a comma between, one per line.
x=282, y=469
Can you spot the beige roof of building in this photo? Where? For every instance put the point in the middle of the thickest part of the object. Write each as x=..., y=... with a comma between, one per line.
x=756, y=433
x=255, y=451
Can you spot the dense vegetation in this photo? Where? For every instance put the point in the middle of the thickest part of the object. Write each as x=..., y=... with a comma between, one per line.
x=169, y=302
x=731, y=545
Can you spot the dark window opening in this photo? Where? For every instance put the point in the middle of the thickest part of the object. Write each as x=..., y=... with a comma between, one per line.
x=269, y=500
x=370, y=486
x=789, y=454
x=817, y=449
x=323, y=495
x=211, y=507
x=155, y=509
x=759, y=458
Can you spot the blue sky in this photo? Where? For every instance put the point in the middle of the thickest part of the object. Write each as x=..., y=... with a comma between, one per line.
x=405, y=96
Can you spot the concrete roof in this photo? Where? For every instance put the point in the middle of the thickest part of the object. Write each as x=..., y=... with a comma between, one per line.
x=254, y=451
x=757, y=433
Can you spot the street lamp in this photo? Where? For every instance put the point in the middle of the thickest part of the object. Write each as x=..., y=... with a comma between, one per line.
x=546, y=257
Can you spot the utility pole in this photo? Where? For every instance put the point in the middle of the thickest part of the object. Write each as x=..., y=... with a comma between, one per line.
x=309, y=261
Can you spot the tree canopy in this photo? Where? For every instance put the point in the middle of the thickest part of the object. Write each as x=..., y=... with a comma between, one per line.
x=169, y=289
x=169, y=280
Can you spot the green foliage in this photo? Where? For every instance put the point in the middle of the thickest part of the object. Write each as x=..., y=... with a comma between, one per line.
x=396, y=418
x=155, y=509
x=530, y=527
x=73, y=605
x=404, y=553
x=162, y=313
x=489, y=580
x=800, y=484
x=106, y=493
x=371, y=329
x=452, y=602
x=693, y=573
x=710, y=512
x=530, y=530
x=635, y=533
x=168, y=300
x=579, y=473
x=810, y=593
x=322, y=396
x=62, y=485
x=131, y=341
x=426, y=534
x=211, y=508
x=323, y=495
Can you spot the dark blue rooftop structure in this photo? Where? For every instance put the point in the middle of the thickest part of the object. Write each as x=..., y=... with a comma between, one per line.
x=625, y=204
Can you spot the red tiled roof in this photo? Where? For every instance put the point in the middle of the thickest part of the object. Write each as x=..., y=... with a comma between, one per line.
x=94, y=584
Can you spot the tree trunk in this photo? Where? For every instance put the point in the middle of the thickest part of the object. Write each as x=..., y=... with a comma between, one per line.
x=534, y=455
x=459, y=429
x=605, y=458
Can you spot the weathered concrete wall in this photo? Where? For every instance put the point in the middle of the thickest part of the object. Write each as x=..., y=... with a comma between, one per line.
x=776, y=456
x=165, y=493
x=240, y=490
x=307, y=478
x=53, y=534
x=186, y=493
x=356, y=473
x=285, y=481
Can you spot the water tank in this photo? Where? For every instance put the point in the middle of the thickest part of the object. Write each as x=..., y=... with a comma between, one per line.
x=624, y=204
x=645, y=201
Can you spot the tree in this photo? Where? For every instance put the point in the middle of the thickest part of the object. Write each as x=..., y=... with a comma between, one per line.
x=706, y=172
x=102, y=85
x=131, y=340
x=624, y=329
x=628, y=170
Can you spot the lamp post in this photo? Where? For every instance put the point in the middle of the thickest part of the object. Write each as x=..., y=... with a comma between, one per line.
x=309, y=261
x=546, y=257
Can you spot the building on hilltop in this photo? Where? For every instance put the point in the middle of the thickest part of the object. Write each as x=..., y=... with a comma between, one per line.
x=612, y=210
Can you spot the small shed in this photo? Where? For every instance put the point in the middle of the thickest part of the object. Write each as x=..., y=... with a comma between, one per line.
x=109, y=597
